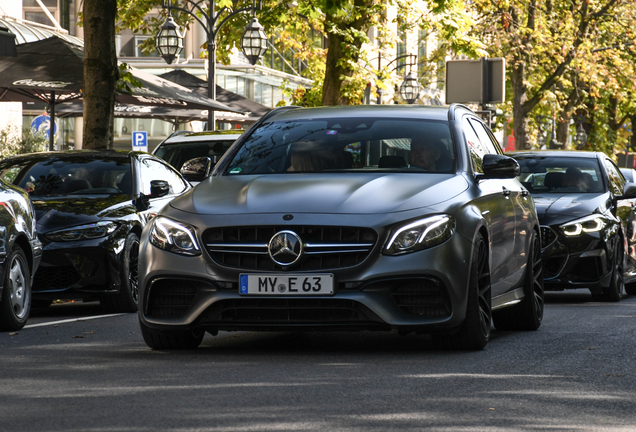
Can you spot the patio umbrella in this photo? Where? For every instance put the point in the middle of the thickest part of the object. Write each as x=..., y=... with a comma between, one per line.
x=52, y=71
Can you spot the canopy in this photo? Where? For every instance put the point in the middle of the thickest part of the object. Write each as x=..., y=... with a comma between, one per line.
x=52, y=71
x=253, y=110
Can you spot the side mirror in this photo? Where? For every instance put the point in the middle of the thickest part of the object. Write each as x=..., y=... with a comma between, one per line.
x=159, y=188
x=197, y=169
x=500, y=167
x=629, y=191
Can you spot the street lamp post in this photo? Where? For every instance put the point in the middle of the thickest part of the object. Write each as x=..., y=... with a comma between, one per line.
x=410, y=88
x=170, y=39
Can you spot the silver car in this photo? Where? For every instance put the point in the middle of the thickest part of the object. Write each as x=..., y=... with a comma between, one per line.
x=404, y=218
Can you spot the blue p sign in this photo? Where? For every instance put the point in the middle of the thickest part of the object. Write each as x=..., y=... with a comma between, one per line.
x=140, y=141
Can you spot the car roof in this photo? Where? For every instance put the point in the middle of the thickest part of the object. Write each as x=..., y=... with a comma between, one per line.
x=356, y=111
x=555, y=153
x=203, y=136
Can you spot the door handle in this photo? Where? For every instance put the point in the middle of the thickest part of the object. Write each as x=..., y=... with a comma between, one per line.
x=506, y=192
x=524, y=193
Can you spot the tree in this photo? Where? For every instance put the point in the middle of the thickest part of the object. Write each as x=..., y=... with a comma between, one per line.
x=542, y=41
x=100, y=72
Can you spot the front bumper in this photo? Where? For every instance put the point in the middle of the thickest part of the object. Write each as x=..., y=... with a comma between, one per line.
x=422, y=291
x=80, y=269
x=583, y=261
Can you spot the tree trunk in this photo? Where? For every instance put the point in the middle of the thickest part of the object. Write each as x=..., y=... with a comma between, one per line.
x=632, y=139
x=333, y=73
x=520, y=116
x=100, y=73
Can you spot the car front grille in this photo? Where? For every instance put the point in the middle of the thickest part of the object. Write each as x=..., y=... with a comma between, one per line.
x=265, y=312
x=422, y=297
x=55, y=277
x=170, y=298
x=548, y=236
x=326, y=248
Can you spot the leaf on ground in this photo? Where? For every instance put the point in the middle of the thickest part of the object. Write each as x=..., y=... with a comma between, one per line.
x=14, y=334
x=78, y=337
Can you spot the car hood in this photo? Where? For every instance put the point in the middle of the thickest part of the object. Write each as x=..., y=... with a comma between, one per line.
x=560, y=208
x=61, y=212
x=338, y=193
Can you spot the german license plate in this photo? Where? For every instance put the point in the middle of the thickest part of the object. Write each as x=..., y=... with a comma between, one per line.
x=284, y=284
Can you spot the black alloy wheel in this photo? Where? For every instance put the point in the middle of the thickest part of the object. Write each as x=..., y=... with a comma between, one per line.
x=614, y=292
x=474, y=332
x=528, y=313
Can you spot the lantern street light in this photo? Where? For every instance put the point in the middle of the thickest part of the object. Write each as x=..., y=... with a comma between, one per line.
x=410, y=88
x=170, y=38
x=580, y=137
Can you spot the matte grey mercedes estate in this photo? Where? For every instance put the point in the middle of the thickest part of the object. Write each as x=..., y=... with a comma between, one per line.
x=404, y=218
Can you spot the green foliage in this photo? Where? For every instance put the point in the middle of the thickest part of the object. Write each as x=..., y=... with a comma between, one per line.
x=14, y=141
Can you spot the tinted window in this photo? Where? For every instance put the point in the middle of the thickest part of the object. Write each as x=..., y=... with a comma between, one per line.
x=616, y=180
x=177, y=154
x=560, y=175
x=475, y=147
x=63, y=176
x=155, y=170
x=315, y=145
x=488, y=142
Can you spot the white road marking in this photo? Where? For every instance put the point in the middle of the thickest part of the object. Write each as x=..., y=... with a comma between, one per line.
x=72, y=320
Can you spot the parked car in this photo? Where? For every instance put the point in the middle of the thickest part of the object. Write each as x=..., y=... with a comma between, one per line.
x=371, y=239
x=20, y=254
x=91, y=207
x=586, y=209
x=184, y=146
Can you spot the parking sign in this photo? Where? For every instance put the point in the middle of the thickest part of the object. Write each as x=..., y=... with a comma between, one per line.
x=140, y=141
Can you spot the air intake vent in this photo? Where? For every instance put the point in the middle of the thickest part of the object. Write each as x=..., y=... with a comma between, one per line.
x=422, y=297
x=170, y=298
x=55, y=277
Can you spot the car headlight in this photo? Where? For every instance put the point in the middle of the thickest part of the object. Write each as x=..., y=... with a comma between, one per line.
x=174, y=237
x=422, y=234
x=82, y=232
x=587, y=224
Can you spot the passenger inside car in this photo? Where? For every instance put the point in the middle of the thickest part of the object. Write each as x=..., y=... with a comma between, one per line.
x=430, y=155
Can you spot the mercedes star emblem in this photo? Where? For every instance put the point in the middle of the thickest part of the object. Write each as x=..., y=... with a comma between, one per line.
x=285, y=248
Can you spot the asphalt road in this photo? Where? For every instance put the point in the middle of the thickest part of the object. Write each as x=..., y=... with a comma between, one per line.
x=68, y=371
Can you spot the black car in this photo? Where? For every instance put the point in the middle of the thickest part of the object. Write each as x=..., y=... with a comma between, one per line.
x=20, y=254
x=348, y=218
x=91, y=207
x=586, y=209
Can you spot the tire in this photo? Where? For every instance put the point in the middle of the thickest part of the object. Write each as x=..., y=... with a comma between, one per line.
x=614, y=292
x=528, y=313
x=15, y=304
x=128, y=297
x=474, y=332
x=171, y=340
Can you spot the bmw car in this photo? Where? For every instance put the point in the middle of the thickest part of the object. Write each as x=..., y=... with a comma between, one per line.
x=586, y=209
x=91, y=207
x=20, y=254
x=405, y=218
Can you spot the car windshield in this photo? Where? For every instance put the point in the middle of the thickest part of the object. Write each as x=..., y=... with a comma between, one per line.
x=63, y=176
x=549, y=174
x=347, y=145
x=178, y=153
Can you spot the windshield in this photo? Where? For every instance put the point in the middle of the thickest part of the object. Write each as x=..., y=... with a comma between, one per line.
x=542, y=174
x=347, y=145
x=62, y=176
x=177, y=154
